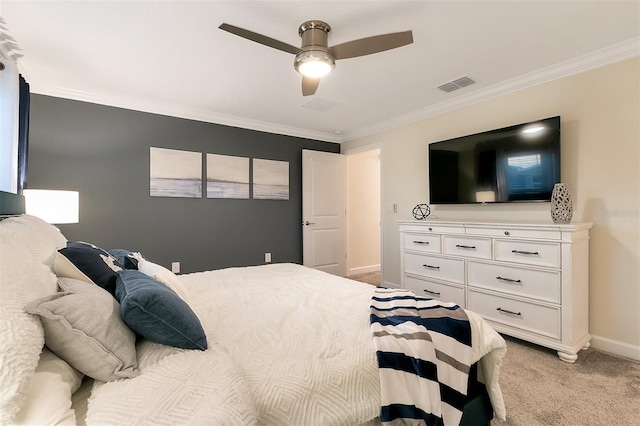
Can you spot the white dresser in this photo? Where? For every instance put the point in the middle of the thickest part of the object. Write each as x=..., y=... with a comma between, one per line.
x=529, y=280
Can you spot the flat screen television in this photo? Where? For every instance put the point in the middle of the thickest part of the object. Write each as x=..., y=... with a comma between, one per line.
x=518, y=163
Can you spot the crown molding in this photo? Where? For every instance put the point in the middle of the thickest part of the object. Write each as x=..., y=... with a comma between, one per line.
x=144, y=105
x=615, y=53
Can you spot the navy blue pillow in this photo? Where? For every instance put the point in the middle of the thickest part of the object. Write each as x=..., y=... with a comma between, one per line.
x=95, y=263
x=155, y=312
x=125, y=257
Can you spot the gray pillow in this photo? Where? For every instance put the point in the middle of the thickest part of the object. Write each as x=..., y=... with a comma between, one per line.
x=83, y=326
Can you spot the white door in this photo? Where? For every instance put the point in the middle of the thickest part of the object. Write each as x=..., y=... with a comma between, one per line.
x=323, y=211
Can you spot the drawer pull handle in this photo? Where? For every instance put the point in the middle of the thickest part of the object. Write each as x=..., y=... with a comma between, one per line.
x=532, y=253
x=508, y=280
x=435, y=293
x=431, y=267
x=422, y=243
x=466, y=247
x=507, y=233
x=509, y=312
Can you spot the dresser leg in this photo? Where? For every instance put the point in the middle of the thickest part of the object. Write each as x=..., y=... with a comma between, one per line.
x=568, y=356
x=586, y=346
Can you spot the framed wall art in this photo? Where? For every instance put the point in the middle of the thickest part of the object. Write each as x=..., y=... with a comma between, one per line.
x=270, y=179
x=175, y=173
x=227, y=176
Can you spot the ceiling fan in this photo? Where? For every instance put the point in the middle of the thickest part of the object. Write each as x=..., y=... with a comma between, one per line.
x=315, y=58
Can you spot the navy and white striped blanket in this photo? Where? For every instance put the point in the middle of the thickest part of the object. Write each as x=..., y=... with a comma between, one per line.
x=424, y=353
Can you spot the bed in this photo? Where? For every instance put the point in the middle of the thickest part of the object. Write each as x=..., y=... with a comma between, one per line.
x=279, y=344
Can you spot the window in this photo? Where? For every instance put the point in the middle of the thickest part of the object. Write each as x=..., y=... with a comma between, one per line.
x=9, y=108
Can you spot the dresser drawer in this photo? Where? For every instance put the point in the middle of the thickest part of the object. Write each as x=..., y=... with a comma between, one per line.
x=516, y=232
x=434, y=290
x=433, y=228
x=539, y=319
x=479, y=248
x=528, y=252
x=442, y=268
x=539, y=284
x=422, y=242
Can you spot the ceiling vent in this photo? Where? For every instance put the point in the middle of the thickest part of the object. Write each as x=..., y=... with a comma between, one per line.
x=456, y=84
x=319, y=104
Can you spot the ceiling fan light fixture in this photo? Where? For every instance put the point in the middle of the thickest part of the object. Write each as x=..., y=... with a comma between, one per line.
x=314, y=63
x=315, y=69
x=315, y=59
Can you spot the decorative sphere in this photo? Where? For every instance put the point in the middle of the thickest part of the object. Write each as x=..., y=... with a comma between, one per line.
x=421, y=211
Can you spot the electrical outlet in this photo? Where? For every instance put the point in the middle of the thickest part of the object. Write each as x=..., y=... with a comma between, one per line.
x=267, y=258
x=175, y=267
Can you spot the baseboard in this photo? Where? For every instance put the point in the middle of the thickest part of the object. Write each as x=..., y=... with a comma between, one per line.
x=615, y=347
x=364, y=269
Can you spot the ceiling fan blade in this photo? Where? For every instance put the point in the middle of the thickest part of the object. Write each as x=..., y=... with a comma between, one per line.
x=309, y=85
x=369, y=45
x=259, y=38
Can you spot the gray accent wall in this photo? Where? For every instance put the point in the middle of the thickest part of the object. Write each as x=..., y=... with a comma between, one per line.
x=103, y=152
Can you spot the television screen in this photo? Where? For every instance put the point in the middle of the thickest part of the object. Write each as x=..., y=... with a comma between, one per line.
x=519, y=163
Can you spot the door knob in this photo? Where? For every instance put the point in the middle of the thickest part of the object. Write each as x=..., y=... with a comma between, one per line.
x=307, y=223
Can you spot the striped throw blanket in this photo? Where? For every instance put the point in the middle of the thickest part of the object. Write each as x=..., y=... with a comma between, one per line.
x=423, y=347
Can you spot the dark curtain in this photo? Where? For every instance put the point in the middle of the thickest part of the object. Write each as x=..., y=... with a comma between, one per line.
x=23, y=133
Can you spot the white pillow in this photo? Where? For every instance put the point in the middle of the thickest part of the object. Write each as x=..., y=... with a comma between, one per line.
x=23, y=278
x=164, y=276
x=49, y=399
x=40, y=238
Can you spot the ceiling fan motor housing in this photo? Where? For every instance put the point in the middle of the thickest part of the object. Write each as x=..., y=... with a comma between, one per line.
x=314, y=33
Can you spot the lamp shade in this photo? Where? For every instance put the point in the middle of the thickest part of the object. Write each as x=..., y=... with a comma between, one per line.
x=485, y=196
x=52, y=206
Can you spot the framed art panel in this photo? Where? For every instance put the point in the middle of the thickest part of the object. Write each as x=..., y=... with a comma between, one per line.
x=175, y=173
x=227, y=176
x=270, y=179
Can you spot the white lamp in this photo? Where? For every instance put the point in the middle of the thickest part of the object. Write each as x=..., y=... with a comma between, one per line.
x=485, y=196
x=52, y=206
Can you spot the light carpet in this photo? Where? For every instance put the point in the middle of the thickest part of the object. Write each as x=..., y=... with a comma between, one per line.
x=372, y=278
x=540, y=389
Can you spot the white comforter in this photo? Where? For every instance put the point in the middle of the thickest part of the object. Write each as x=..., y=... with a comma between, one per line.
x=287, y=345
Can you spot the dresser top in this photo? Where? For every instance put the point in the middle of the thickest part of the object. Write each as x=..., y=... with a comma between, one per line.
x=575, y=226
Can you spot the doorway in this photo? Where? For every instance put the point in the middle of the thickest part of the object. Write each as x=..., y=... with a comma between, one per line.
x=363, y=213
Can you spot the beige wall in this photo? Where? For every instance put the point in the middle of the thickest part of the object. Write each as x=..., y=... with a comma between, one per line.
x=600, y=112
x=363, y=212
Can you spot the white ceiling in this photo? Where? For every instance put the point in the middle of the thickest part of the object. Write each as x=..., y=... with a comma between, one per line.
x=169, y=57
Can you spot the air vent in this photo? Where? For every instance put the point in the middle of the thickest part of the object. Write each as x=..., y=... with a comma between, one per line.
x=463, y=82
x=448, y=87
x=456, y=84
x=319, y=104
